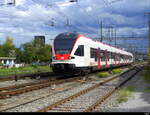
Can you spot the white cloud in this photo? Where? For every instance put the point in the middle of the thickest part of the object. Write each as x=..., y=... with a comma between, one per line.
x=20, y=2
x=31, y=18
x=129, y=31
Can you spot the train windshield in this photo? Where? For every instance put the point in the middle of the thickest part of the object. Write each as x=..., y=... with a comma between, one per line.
x=64, y=43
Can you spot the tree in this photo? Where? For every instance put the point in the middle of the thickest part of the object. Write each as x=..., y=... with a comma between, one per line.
x=28, y=52
x=19, y=55
x=1, y=51
x=44, y=53
x=36, y=53
x=8, y=48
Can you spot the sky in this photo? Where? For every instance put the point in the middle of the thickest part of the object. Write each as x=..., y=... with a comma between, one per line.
x=36, y=17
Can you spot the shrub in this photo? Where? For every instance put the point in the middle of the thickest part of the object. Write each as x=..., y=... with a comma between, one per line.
x=116, y=71
x=103, y=74
x=146, y=74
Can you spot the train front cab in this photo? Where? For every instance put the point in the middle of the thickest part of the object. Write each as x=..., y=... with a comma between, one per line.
x=65, y=55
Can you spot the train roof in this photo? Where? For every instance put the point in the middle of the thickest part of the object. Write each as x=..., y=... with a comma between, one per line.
x=67, y=35
x=75, y=35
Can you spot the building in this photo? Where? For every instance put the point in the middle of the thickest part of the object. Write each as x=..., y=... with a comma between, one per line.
x=40, y=41
x=7, y=61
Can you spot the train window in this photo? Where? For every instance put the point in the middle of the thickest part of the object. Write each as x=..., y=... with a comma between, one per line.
x=112, y=55
x=80, y=51
x=64, y=42
x=109, y=55
x=130, y=58
x=102, y=55
x=93, y=53
x=121, y=57
x=95, y=50
x=117, y=57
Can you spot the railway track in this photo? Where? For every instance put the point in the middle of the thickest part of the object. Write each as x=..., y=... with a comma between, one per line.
x=9, y=91
x=59, y=92
x=88, y=99
x=43, y=74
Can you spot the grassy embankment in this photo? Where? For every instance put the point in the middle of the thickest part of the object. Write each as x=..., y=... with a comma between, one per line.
x=147, y=77
x=147, y=74
x=124, y=93
x=24, y=70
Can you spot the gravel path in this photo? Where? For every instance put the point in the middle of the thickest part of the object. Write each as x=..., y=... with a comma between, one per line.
x=138, y=102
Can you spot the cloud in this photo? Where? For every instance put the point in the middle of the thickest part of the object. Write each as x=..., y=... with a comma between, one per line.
x=34, y=17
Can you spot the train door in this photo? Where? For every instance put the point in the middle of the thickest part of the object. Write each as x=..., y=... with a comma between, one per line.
x=116, y=59
x=98, y=59
x=87, y=55
x=106, y=59
x=119, y=59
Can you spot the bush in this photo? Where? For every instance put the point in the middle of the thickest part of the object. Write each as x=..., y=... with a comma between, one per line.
x=103, y=74
x=116, y=71
x=124, y=93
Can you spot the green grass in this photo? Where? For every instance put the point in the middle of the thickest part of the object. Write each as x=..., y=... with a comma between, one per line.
x=103, y=74
x=24, y=70
x=116, y=71
x=147, y=74
x=147, y=90
x=124, y=93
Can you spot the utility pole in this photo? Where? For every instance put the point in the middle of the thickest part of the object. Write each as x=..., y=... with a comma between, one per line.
x=101, y=31
x=112, y=33
x=67, y=24
x=115, y=36
x=14, y=2
x=148, y=37
x=52, y=22
x=108, y=34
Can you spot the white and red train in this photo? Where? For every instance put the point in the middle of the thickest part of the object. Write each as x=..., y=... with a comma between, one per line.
x=73, y=53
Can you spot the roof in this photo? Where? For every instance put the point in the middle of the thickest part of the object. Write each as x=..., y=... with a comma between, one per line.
x=13, y=58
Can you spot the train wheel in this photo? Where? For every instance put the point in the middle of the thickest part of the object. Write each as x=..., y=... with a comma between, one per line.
x=91, y=70
x=82, y=73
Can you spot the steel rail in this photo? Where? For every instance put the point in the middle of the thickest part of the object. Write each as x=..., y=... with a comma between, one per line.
x=7, y=78
x=31, y=87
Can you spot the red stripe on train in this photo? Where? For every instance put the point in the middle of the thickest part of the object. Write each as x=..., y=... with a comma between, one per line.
x=106, y=59
x=98, y=56
x=62, y=56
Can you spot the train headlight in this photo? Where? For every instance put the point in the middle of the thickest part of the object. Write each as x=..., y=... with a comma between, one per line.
x=54, y=57
x=70, y=57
